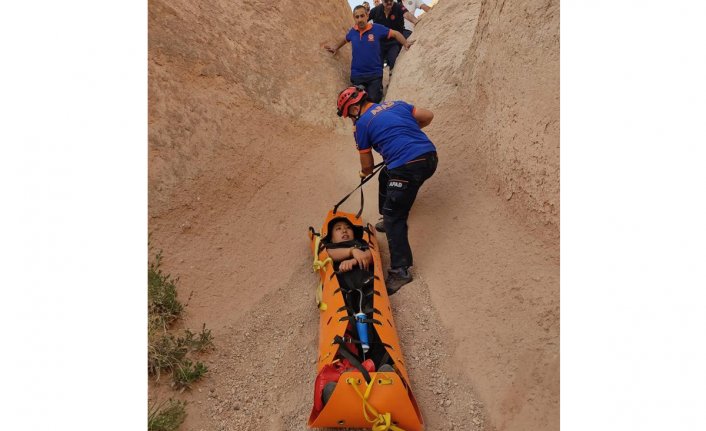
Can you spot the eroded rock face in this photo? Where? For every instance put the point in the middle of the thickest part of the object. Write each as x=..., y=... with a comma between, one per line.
x=492, y=70
x=228, y=77
x=515, y=92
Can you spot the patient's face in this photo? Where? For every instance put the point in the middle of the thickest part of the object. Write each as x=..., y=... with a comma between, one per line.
x=341, y=232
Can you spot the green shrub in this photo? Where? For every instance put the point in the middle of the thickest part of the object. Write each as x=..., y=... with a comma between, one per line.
x=201, y=342
x=185, y=373
x=164, y=353
x=164, y=308
x=167, y=352
x=166, y=418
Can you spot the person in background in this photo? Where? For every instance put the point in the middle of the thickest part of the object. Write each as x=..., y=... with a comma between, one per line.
x=366, y=5
x=412, y=6
x=392, y=15
x=394, y=130
x=366, y=42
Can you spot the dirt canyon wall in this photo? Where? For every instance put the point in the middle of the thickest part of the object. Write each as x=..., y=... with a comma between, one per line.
x=245, y=152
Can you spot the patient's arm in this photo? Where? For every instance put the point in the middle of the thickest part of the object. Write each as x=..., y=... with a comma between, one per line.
x=362, y=258
x=340, y=254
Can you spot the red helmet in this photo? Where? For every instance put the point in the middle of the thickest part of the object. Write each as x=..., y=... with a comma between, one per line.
x=349, y=97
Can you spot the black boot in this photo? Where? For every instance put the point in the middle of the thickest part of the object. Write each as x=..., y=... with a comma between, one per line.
x=380, y=226
x=396, y=278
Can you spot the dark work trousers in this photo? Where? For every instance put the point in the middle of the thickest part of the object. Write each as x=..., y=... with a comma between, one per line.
x=383, y=178
x=406, y=33
x=402, y=185
x=390, y=51
x=373, y=86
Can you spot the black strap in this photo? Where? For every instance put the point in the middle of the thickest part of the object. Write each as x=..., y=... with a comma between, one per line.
x=351, y=340
x=343, y=350
x=376, y=169
x=384, y=359
x=366, y=309
x=354, y=319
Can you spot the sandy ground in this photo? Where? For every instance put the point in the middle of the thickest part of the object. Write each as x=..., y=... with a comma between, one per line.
x=246, y=152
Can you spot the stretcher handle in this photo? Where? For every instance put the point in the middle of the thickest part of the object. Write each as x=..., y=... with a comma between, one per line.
x=376, y=169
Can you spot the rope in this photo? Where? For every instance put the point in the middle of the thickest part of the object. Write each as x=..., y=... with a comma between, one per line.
x=380, y=421
x=316, y=266
x=319, y=298
x=321, y=265
x=376, y=169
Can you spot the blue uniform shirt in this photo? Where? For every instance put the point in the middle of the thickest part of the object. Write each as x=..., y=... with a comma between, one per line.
x=367, y=54
x=390, y=129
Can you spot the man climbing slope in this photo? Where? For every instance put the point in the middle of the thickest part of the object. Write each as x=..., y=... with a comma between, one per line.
x=394, y=130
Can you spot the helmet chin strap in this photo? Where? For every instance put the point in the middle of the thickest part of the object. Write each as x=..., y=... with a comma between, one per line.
x=360, y=110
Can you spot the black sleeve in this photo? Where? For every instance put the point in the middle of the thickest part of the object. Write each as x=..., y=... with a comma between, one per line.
x=361, y=244
x=373, y=13
x=344, y=244
x=358, y=243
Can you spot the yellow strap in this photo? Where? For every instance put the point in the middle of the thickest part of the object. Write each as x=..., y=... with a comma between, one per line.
x=380, y=422
x=318, y=265
x=319, y=296
x=321, y=265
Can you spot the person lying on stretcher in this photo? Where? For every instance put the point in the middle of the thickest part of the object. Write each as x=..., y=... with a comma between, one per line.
x=354, y=263
x=345, y=249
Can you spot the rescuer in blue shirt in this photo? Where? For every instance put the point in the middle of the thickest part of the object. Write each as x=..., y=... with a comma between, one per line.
x=393, y=129
x=366, y=43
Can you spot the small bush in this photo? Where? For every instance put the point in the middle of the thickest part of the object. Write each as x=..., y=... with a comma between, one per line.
x=200, y=342
x=164, y=353
x=164, y=308
x=167, y=352
x=185, y=373
x=166, y=418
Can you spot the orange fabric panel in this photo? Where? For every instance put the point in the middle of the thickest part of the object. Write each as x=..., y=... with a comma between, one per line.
x=345, y=405
x=345, y=408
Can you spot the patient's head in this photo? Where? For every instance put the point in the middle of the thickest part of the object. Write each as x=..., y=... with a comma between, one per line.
x=342, y=230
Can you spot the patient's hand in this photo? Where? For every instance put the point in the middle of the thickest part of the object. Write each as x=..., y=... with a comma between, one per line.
x=361, y=257
x=347, y=265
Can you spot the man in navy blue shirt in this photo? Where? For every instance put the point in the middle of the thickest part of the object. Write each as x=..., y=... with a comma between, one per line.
x=394, y=130
x=391, y=15
x=366, y=41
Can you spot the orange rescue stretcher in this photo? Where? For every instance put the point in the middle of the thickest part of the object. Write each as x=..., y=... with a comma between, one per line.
x=365, y=396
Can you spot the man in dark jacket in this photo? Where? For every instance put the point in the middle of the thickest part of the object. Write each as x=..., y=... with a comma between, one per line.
x=392, y=16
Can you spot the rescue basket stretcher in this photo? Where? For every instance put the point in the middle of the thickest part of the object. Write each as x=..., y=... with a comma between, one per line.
x=364, y=396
